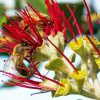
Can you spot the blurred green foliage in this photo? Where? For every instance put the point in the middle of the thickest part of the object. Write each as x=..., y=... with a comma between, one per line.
x=18, y=4
x=78, y=13
x=3, y=19
x=38, y=5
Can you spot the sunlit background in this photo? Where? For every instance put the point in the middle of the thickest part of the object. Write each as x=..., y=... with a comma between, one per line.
x=9, y=8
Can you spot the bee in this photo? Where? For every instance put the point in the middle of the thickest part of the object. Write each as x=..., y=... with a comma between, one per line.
x=16, y=61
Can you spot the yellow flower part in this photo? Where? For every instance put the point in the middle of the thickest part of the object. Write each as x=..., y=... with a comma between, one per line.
x=80, y=76
x=63, y=90
x=98, y=62
x=89, y=47
x=77, y=47
x=3, y=40
x=95, y=41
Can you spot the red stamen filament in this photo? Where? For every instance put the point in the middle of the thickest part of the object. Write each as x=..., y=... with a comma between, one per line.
x=89, y=19
x=96, y=49
x=75, y=21
x=75, y=69
x=44, y=77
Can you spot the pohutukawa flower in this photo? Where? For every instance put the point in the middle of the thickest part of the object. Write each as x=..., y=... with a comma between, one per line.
x=38, y=37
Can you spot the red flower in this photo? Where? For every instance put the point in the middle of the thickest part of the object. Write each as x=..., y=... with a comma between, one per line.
x=29, y=36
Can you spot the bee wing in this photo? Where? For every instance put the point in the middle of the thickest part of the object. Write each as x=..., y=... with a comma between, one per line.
x=10, y=67
x=10, y=64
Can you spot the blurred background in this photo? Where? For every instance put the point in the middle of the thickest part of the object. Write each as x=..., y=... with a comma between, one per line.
x=9, y=8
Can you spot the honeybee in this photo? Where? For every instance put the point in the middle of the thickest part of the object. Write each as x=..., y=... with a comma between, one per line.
x=16, y=63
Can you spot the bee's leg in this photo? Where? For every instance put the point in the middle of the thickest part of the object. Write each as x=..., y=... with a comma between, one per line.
x=22, y=69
